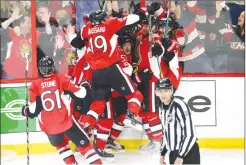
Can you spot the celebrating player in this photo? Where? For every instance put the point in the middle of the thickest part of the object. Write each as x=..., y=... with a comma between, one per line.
x=102, y=56
x=119, y=103
x=55, y=115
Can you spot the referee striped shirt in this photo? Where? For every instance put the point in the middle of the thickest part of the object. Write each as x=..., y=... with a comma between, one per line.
x=179, y=133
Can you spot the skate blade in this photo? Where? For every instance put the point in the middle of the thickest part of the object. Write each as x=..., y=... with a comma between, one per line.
x=144, y=152
x=114, y=151
x=128, y=123
x=107, y=160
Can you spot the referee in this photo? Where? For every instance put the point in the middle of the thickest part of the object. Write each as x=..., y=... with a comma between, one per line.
x=179, y=136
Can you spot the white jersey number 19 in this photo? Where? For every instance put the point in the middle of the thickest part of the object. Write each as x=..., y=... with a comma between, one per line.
x=94, y=43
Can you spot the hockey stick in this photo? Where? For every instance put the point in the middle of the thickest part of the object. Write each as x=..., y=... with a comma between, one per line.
x=151, y=43
x=103, y=6
x=27, y=124
x=165, y=35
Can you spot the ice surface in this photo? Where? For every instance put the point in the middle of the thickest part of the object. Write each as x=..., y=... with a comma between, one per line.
x=208, y=157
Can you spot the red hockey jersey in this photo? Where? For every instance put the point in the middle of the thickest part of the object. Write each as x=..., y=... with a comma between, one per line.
x=103, y=45
x=56, y=116
x=169, y=70
x=125, y=62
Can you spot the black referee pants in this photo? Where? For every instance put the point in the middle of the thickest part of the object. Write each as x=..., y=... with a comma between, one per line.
x=193, y=156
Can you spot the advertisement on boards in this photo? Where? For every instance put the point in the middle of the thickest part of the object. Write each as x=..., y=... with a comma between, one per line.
x=200, y=95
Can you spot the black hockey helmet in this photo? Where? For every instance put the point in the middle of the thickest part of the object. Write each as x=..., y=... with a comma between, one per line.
x=154, y=21
x=46, y=66
x=97, y=17
x=124, y=39
x=164, y=83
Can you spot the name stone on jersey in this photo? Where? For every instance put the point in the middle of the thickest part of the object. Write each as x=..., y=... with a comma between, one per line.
x=48, y=84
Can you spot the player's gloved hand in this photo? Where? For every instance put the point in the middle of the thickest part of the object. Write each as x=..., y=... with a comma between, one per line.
x=145, y=75
x=133, y=30
x=141, y=13
x=157, y=49
x=87, y=122
x=135, y=67
x=25, y=110
x=153, y=7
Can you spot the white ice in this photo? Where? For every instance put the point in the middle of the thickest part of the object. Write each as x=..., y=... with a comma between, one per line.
x=208, y=157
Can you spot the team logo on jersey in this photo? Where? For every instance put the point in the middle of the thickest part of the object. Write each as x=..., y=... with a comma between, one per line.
x=25, y=51
x=82, y=142
x=169, y=118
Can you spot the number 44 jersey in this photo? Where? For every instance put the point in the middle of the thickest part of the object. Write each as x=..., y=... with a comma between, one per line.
x=102, y=51
x=56, y=115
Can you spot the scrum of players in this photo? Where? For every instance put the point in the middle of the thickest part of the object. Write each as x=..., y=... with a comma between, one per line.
x=111, y=85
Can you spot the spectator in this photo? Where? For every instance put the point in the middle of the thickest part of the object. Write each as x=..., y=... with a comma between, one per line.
x=236, y=54
x=240, y=28
x=83, y=8
x=56, y=6
x=7, y=8
x=112, y=7
x=218, y=39
x=193, y=55
x=65, y=54
x=45, y=24
x=236, y=7
x=21, y=47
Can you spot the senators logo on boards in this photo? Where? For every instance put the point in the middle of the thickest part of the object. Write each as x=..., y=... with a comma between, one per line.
x=71, y=57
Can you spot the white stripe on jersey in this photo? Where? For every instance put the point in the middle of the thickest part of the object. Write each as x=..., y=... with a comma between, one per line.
x=108, y=110
x=126, y=78
x=113, y=43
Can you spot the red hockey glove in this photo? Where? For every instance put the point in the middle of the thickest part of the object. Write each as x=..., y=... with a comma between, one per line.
x=87, y=122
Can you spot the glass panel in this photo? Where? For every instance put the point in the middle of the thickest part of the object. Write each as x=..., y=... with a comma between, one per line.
x=212, y=35
x=215, y=36
x=16, y=39
x=56, y=22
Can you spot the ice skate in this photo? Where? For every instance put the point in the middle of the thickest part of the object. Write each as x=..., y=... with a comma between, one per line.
x=130, y=121
x=114, y=146
x=105, y=156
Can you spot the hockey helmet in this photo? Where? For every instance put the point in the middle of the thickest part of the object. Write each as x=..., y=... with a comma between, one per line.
x=97, y=17
x=46, y=66
x=164, y=83
x=124, y=39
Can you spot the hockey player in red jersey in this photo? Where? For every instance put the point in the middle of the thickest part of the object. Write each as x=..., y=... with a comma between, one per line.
x=52, y=107
x=149, y=72
x=119, y=103
x=146, y=82
x=102, y=56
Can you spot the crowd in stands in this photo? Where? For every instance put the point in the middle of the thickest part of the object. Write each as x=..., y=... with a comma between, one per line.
x=215, y=40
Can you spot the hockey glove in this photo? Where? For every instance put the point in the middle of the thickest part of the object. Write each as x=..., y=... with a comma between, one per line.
x=25, y=111
x=145, y=75
x=141, y=14
x=135, y=67
x=153, y=7
x=157, y=50
x=87, y=122
x=169, y=53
